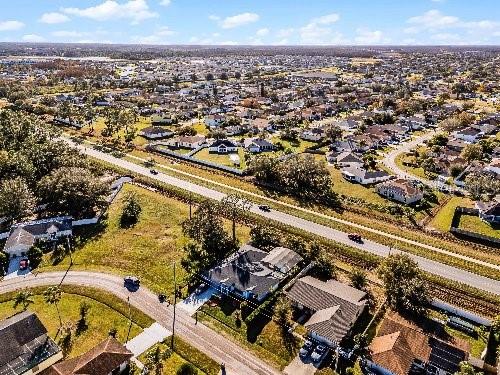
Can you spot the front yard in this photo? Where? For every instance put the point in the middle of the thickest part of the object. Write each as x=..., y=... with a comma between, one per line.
x=262, y=336
x=146, y=250
x=106, y=312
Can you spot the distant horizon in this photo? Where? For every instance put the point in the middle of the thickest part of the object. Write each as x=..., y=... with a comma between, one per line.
x=256, y=22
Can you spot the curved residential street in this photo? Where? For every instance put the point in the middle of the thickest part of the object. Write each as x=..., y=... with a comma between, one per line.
x=389, y=159
x=238, y=361
x=434, y=267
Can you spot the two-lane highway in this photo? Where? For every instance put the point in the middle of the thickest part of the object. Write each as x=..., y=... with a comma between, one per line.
x=431, y=266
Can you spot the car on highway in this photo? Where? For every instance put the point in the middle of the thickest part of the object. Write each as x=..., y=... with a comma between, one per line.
x=319, y=353
x=24, y=264
x=264, y=207
x=153, y=171
x=355, y=237
x=306, y=349
x=131, y=281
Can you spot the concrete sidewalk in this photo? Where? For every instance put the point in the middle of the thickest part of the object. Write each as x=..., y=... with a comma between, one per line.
x=150, y=336
x=192, y=303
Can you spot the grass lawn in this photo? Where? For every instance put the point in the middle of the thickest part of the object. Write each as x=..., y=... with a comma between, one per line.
x=442, y=220
x=101, y=318
x=476, y=225
x=185, y=353
x=146, y=250
x=419, y=172
x=222, y=159
x=296, y=146
x=263, y=337
x=200, y=128
x=341, y=186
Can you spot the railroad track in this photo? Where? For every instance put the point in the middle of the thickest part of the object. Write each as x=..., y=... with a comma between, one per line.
x=462, y=300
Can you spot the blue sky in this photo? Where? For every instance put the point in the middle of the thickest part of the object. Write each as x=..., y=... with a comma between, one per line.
x=289, y=22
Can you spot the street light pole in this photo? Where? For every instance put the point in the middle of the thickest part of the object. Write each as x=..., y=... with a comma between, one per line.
x=175, y=303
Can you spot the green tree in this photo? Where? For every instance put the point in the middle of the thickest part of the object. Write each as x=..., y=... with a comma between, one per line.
x=4, y=262
x=16, y=199
x=358, y=279
x=52, y=295
x=187, y=369
x=472, y=152
x=35, y=255
x=155, y=358
x=283, y=313
x=264, y=237
x=333, y=133
x=23, y=298
x=72, y=190
x=82, y=324
x=467, y=369
x=235, y=207
x=131, y=210
x=404, y=283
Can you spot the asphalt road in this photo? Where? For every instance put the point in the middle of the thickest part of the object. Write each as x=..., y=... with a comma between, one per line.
x=434, y=267
x=238, y=361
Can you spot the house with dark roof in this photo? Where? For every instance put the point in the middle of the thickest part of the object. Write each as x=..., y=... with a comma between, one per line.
x=489, y=211
x=333, y=307
x=348, y=159
x=155, y=132
x=469, y=134
x=25, y=346
x=402, y=347
x=23, y=236
x=109, y=357
x=252, y=273
x=223, y=146
x=256, y=145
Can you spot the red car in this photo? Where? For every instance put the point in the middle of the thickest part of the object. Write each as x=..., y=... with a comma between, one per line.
x=24, y=264
x=355, y=237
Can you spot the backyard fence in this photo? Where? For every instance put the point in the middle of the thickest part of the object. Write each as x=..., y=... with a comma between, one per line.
x=471, y=236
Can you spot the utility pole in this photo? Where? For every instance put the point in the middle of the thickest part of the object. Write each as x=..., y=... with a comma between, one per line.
x=129, y=318
x=175, y=303
x=190, y=205
x=70, y=252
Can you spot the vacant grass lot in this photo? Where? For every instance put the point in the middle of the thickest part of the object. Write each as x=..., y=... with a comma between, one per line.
x=222, y=159
x=297, y=146
x=146, y=250
x=476, y=225
x=442, y=220
x=101, y=318
x=263, y=336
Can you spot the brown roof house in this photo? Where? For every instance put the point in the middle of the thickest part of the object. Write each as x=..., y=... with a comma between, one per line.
x=400, y=190
x=401, y=347
x=109, y=357
x=25, y=346
x=333, y=307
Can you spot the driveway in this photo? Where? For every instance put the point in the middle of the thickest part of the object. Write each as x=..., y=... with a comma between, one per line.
x=192, y=303
x=298, y=367
x=150, y=336
x=13, y=271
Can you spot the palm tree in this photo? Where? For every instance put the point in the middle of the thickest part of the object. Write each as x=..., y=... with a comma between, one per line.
x=24, y=298
x=52, y=296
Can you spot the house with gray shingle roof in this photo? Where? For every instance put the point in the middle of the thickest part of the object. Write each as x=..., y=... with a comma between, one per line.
x=333, y=307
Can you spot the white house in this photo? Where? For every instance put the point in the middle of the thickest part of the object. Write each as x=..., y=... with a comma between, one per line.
x=155, y=132
x=214, y=121
x=401, y=191
x=363, y=176
x=190, y=142
x=348, y=159
x=314, y=134
x=22, y=236
x=256, y=145
x=223, y=146
x=469, y=135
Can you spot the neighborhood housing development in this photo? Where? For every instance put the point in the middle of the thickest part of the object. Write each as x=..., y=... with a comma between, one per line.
x=249, y=210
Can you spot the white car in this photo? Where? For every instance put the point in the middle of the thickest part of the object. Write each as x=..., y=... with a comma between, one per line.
x=319, y=353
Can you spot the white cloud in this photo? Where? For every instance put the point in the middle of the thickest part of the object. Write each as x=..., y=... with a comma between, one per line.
x=319, y=31
x=283, y=33
x=262, y=32
x=133, y=10
x=160, y=36
x=213, y=17
x=433, y=19
x=239, y=20
x=53, y=18
x=365, y=36
x=11, y=25
x=68, y=34
x=229, y=43
x=165, y=3
x=33, y=38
